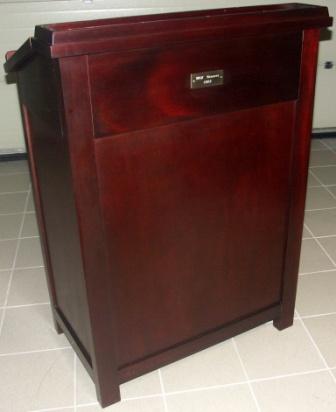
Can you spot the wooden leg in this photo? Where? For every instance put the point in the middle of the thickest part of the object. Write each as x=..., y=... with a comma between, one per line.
x=107, y=394
x=286, y=317
x=283, y=322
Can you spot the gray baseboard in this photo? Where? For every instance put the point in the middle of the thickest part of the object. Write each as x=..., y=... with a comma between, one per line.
x=324, y=133
x=7, y=157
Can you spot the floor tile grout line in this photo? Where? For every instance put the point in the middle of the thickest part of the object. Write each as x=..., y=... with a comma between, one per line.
x=323, y=185
x=20, y=213
x=317, y=166
x=229, y=385
x=201, y=389
x=320, y=185
x=28, y=305
x=246, y=375
x=28, y=267
x=321, y=246
x=290, y=375
x=75, y=381
x=3, y=314
x=317, y=271
x=58, y=408
x=320, y=149
x=30, y=352
x=165, y=404
x=22, y=268
x=14, y=192
x=152, y=396
x=318, y=237
x=308, y=185
x=319, y=315
x=329, y=147
x=27, y=173
x=19, y=238
x=83, y=405
x=320, y=209
x=207, y=388
x=316, y=346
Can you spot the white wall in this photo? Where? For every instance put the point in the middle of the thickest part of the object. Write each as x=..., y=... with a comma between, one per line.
x=18, y=18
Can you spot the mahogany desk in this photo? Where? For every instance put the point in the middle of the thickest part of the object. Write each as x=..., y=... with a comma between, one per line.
x=169, y=160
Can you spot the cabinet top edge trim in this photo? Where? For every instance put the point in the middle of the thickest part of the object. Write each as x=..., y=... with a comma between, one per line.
x=85, y=37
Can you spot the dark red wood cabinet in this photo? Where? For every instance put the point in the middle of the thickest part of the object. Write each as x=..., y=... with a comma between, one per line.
x=169, y=158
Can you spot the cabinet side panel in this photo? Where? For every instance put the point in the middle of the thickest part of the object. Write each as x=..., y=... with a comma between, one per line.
x=52, y=184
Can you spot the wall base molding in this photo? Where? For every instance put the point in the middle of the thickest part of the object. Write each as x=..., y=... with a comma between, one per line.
x=7, y=157
x=324, y=133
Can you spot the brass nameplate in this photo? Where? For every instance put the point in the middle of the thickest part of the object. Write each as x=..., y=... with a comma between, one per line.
x=206, y=79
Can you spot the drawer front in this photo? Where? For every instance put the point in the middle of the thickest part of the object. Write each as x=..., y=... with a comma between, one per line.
x=148, y=88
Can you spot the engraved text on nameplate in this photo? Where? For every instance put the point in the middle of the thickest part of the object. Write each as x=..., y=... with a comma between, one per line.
x=206, y=79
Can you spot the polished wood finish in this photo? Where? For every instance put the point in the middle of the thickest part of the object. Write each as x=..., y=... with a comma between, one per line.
x=158, y=92
x=299, y=172
x=79, y=126
x=176, y=224
x=186, y=348
x=41, y=98
x=170, y=217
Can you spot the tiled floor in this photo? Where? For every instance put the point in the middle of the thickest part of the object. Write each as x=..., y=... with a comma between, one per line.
x=262, y=370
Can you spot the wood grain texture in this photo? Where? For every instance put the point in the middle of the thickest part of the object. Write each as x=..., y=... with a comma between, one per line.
x=171, y=218
x=139, y=90
x=40, y=95
x=36, y=190
x=155, y=31
x=139, y=32
x=300, y=162
x=99, y=292
x=190, y=212
x=195, y=345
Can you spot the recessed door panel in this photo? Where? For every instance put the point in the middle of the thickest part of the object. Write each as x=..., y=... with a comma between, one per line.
x=195, y=217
